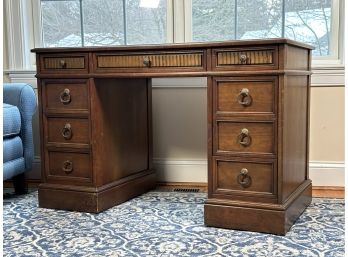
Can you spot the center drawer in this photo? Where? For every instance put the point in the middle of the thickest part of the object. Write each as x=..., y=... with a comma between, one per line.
x=149, y=62
x=237, y=137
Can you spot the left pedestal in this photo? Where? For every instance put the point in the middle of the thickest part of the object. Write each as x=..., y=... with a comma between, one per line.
x=96, y=142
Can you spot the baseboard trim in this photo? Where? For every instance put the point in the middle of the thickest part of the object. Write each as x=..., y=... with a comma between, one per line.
x=317, y=191
x=329, y=192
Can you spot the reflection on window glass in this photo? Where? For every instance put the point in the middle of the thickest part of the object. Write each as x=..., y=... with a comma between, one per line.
x=258, y=19
x=61, y=23
x=310, y=22
x=103, y=22
x=146, y=21
x=213, y=20
x=307, y=21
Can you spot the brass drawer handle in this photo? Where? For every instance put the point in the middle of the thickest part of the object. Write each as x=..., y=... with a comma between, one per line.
x=65, y=97
x=62, y=64
x=147, y=62
x=67, y=131
x=244, y=97
x=244, y=138
x=243, y=59
x=243, y=178
x=67, y=166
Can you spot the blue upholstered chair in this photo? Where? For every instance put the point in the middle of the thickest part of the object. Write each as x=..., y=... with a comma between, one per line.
x=19, y=105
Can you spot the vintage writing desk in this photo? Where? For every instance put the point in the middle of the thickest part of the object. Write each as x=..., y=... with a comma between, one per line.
x=96, y=135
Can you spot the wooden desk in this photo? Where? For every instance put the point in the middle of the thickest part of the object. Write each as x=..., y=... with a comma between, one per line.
x=96, y=135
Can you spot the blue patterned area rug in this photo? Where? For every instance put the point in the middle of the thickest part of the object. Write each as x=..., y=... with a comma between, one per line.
x=162, y=223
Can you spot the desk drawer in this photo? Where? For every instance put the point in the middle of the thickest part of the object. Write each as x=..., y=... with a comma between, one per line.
x=244, y=177
x=245, y=95
x=61, y=95
x=143, y=62
x=68, y=130
x=69, y=166
x=244, y=137
x=245, y=59
x=64, y=63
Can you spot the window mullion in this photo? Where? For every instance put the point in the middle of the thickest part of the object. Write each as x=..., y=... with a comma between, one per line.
x=82, y=27
x=235, y=18
x=170, y=21
x=125, y=22
x=283, y=18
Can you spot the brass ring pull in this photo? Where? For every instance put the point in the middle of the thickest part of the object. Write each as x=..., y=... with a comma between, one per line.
x=244, y=138
x=243, y=59
x=67, y=166
x=62, y=64
x=65, y=97
x=147, y=62
x=67, y=131
x=243, y=178
x=244, y=97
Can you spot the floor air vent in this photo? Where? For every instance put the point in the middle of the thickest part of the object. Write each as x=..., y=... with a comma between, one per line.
x=186, y=190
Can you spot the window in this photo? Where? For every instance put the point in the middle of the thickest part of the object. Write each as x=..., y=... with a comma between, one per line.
x=308, y=21
x=102, y=22
x=119, y=22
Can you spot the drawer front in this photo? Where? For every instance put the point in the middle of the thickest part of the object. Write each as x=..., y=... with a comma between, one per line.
x=245, y=59
x=68, y=130
x=64, y=63
x=244, y=137
x=245, y=95
x=150, y=61
x=244, y=177
x=65, y=95
x=69, y=165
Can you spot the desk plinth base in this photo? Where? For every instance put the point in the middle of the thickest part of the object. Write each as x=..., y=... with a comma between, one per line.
x=277, y=220
x=91, y=199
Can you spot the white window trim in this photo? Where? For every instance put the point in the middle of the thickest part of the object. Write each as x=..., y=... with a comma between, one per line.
x=23, y=18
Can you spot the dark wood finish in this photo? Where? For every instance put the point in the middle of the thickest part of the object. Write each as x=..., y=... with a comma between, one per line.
x=261, y=177
x=265, y=58
x=275, y=219
x=80, y=165
x=64, y=63
x=120, y=120
x=227, y=92
x=258, y=126
x=149, y=62
x=53, y=90
x=228, y=137
x=295, y=137
x=68, y=130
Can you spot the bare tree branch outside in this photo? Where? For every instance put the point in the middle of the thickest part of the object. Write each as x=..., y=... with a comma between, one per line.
x=102, y=22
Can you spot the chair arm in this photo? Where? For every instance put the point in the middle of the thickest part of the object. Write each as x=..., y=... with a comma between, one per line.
x=22, y=95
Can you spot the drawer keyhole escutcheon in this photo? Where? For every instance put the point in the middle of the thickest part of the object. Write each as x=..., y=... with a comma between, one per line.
x=62, y=64
x=244, y=97
x=67, y=166
x=243, y=178
x=147, y=62
x=65, y=97
x=244, y=138
x=67, y=131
